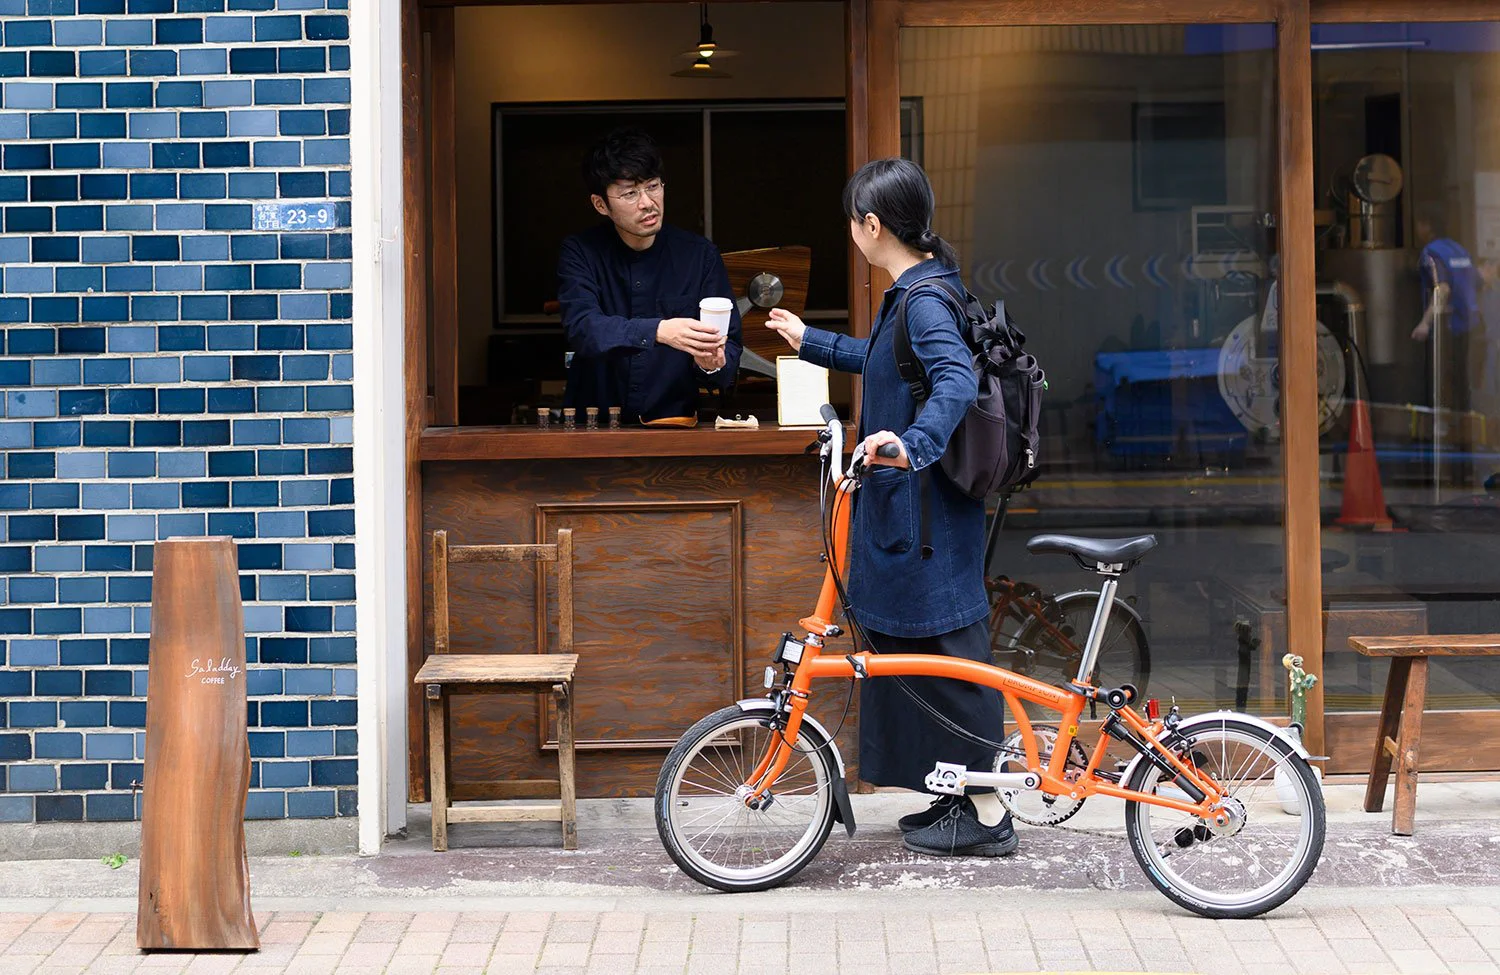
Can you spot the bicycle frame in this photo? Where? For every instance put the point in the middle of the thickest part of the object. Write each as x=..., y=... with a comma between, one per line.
x=1015, y=688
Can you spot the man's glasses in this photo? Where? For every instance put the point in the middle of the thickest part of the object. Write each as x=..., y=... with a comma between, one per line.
x=632, y=196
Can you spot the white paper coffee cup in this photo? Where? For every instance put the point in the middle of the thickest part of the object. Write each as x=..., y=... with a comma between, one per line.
x=714, y=312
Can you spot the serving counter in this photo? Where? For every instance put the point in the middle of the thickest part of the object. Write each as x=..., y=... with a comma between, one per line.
x=694, y=550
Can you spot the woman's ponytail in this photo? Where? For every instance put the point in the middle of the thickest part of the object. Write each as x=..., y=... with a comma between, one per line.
x=898, y=192
x=929, y=242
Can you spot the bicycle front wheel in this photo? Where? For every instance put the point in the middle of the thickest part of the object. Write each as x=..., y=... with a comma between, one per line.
x=1271, y=844
x=702, y=816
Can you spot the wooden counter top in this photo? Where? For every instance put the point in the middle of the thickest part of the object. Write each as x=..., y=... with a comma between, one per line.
x=529, y=443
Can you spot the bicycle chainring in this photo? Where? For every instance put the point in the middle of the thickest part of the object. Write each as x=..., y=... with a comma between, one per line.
x=1038, y=808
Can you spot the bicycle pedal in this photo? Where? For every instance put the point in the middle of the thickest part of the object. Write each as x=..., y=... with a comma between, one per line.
x=947, y=779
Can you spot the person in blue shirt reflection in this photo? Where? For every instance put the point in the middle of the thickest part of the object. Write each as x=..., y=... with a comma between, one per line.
x=629, y=292
x=1450, y=287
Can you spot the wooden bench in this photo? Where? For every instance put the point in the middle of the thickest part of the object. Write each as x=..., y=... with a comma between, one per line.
x=1399, y=734
x=445, y=674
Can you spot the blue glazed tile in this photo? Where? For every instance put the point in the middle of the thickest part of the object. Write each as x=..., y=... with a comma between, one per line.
x=203, y=186
x=59, y=809
x=158, y=496
x=80, y=528
x=28, y=157
x=179, y=277
x=131, y=339
x=130, y=589
x=280, y=399
x=34, y=33
x=33, y=653
x=81, y=402
x=41, y=464
x=96, y=308
x=103, y=807
x=262, y=619
x=53, y=64
x=128, y=217
x=269, y=461
x=135, y=277
x=101, y=64
x=157, y=370
x=27, y=219
x=257, y=432
x=15, y=621
x=278, y=28
x=254, y=247
x=126, y=651
x=260, y=804
x=61, y=433
x=106, y=558
x=153, y=125
x=227, y=277
x=175, y=155
x=106, y=496
x=227, y=94
x=302, y=60
x=253, y=186
x=253, y=60
x=327, y=152
x=227, y=154
x=106, y=250
x=338, y=124
x=88, y=95
x=204, y=125
x=309, y=743
x=188, y=30
x=33, y=778
x=162, y=248
x=205, y=308
x=57, y=250
x=153, y=308
x=232, y=463
x=78, y=33
x=56, y=621
x=183, y=463
x=144, y=62
x=286, y=775
x=308, y=557
x=81, y=777
x=308, y=430
x=84, y=653
x=206, y=368
x=231, y=338
x=106, y=433
x=181, y=400
x=128, y=94
x=268, y=277
x=28, y=590
x=107, y=683
x=132, y=464
x=153, y=186
x=205, y=433
x=307, y=247
x=175, y=526
x=106, y=745
x=180, y=338
x=228, y=30
x=302, y=122
x=238, y=399
x=127, y=33
x=127, y=775
x=203, y=61
x=264, y=368
x=31, y=403
x=282, y=524
x=233, y=216
x=313, y=804
x=257, y=122
x=338, y=771
x=23, y=94
x=127, y=714
x=259, y=494
x=31, y=528
x=132, y=528
x=80, y=714
x=67, y=125
x=205, y=494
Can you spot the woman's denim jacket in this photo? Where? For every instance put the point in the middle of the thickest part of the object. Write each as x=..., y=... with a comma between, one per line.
x=891, y=587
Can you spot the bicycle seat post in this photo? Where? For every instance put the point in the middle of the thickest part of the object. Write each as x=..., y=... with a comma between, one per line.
x=1111, y=573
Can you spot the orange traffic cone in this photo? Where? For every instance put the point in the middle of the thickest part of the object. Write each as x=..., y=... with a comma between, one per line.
x=1364, y=499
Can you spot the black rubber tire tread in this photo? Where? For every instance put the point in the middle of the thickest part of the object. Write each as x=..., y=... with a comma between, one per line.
x=708, y=725
x=1317, y=811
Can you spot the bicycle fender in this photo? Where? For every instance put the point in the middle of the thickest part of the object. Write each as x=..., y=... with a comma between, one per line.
x=1187, y=725
x=1092, y=598
x=843, y=809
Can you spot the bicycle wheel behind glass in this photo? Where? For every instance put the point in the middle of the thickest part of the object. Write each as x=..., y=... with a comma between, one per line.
x=1263, y=855
x=701, y=814
x=1056, y=645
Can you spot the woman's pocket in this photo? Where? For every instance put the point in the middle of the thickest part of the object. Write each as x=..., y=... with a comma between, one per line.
x=888, y=496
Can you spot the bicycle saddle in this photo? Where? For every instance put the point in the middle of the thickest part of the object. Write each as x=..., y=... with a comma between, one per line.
x=1110, y=551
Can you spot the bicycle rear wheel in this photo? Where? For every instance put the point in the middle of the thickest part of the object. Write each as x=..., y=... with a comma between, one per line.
x=1263, y=856
x=701, y=814
x=1056, y=645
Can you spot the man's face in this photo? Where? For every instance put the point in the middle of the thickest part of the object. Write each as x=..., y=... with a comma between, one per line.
x=635, y=208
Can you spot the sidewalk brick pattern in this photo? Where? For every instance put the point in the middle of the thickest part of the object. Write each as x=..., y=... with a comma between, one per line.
x=1375, y=939
x=173, y=363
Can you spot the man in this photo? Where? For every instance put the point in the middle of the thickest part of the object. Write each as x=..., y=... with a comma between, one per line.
x=629, y=291
x=1450, y=287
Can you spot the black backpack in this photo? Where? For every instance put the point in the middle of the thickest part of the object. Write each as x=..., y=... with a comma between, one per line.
x=996, y=444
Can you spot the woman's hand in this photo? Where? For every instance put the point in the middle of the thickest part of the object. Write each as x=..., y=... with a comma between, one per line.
x=875, y=441
x=788, y=326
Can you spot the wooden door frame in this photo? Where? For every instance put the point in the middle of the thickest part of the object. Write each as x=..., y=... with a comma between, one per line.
x=1295, y=218
x=427, y=50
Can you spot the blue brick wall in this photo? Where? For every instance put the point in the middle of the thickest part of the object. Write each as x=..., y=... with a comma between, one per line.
x=168, y=370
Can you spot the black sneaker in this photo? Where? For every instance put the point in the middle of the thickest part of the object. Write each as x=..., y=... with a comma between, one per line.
x=928, y=816
x=959, y=833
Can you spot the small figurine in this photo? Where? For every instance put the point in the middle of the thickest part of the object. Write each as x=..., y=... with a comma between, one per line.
x=1298, y=681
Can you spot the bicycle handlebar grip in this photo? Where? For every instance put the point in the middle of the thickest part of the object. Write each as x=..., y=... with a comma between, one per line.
x=828, y=413
x=888, y=450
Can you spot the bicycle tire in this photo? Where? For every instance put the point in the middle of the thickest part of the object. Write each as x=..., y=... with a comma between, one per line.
x=1121, y=624
x=1312, y=824
x=668, y=802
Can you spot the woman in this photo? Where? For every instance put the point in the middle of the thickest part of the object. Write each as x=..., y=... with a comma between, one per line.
x=909, y=600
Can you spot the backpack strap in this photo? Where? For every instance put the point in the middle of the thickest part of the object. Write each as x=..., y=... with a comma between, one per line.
x=914, y=374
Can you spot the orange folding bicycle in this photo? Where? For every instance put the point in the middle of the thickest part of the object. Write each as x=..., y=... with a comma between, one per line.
x=1222, y=811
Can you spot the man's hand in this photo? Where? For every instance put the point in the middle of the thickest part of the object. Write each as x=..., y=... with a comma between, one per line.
x=690, y=336
x=1423, y=329
x=788, y=326
x=711, y=362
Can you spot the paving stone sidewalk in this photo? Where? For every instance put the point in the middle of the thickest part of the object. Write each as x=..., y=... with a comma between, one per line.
x=1348, y=930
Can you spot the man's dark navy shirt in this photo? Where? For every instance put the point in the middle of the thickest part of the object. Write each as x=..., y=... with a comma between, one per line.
x=612, y=300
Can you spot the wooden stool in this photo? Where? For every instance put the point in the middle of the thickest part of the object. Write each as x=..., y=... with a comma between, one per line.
x=1399, y=733
x=445, y=674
